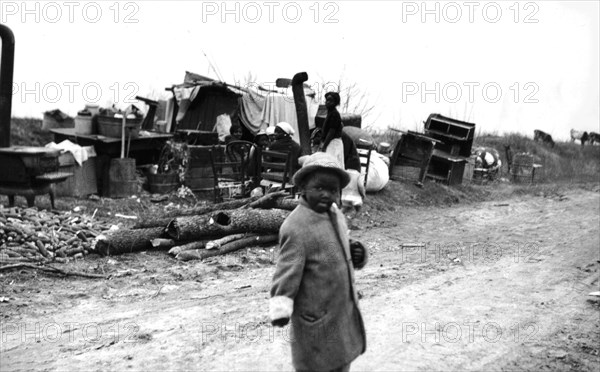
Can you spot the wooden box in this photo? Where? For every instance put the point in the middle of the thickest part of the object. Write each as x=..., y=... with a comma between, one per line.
x=446, y=168
x=411, y=157
x=455, y=136
x=83, y=182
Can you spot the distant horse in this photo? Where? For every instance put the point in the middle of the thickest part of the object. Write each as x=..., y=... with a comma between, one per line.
x=578, y=135
x=544, y=137
x=594, y=137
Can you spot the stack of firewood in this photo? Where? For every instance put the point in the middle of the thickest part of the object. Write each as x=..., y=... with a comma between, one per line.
x=203, y=232
x=30, y=235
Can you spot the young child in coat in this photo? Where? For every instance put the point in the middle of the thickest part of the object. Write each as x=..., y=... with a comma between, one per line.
x=313, y=284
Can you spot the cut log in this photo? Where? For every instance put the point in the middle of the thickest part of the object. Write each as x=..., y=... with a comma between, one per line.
x=164, y=219
x=222, y=223
x=162, y=243
x=267, y=201
x=274, y=200
x=187, y=247
x=189, y=255
x=201, y=254
x=127, y=241
x=287, y=204
x=153, y=221
x=217, y=243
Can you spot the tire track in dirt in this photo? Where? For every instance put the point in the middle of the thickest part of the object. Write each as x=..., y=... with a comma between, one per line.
x=453, y=321
x=219, y=324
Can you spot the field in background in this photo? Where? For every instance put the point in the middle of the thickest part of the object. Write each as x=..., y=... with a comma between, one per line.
x=567, y=161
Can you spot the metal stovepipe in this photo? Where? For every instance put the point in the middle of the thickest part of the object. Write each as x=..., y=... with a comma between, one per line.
x=7, y=64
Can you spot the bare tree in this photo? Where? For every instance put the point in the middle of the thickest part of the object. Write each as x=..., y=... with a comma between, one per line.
x=354, y=98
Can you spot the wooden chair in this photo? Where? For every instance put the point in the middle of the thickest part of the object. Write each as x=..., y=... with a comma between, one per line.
x=364, y=149
x=275, y=169
x=229, y=165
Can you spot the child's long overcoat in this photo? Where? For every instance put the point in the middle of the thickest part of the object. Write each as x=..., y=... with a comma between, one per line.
x=314, y=285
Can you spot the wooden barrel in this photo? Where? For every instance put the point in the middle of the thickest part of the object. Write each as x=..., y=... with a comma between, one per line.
x=122, y=181
x=162, y=183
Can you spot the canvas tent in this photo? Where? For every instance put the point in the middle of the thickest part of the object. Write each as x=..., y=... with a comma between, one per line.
x=201, y=100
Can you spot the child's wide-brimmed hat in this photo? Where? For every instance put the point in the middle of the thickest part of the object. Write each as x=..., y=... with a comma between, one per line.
x=321, y=161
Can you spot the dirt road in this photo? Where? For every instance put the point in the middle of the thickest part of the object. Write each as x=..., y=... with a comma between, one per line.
x=498, y=285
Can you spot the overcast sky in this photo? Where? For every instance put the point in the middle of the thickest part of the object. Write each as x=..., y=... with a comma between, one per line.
x=506, y=66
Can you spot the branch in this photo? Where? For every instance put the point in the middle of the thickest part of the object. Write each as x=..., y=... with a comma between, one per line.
x=51, y=269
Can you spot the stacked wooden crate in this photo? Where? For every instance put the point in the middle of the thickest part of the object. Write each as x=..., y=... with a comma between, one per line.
x=453, y=149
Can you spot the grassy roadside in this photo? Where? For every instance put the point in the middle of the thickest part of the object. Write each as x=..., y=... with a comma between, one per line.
x=565, y=162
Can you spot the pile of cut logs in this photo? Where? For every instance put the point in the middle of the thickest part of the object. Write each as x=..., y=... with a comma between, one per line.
x=206, y=231
x=30, y=235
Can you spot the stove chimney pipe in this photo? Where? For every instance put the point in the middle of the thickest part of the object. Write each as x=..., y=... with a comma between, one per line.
x=7, y=64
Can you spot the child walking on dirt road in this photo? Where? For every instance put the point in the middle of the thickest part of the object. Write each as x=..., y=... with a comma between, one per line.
x=313, y=282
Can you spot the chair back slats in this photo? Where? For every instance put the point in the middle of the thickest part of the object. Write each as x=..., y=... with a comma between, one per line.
x=275, y=166
x=229, y=165
x=364, y=149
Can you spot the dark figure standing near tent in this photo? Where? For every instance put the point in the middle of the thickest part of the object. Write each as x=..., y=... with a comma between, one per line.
x=351, y=157
x=332, y=128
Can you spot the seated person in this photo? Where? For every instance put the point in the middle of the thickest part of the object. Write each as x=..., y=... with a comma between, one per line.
x=271, y=134
x=235, y=133
x=237, y=154
x=261, y=140
x=284, y=143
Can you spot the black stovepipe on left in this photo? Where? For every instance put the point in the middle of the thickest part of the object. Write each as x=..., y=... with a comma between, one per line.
x=7, y=64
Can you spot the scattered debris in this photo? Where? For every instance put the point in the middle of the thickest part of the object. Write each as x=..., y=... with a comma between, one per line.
x=125, y=216
x=159, y=199
x=51, y=269
x=31, y=235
